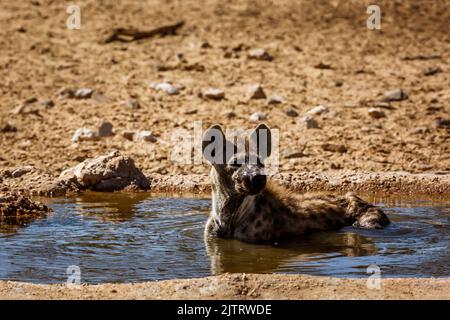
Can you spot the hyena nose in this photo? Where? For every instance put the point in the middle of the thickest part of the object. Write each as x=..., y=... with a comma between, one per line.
x=258, y=181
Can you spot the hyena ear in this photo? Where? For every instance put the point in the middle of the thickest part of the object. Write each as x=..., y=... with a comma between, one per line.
x=261, y=141
x=214, y=145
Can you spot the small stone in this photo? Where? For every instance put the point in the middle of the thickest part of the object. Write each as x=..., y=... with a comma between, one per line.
x=376, y=113
x=66, y=93
x=214, y=94
x=83, y=93
x=259, y=54
x=129, y=135
x=85, y=134
x=317, y=110
x=21, y=171
x=146, y=136
x=256, y=91
x=324, y=66
x=442, y=123
x=257, y=116
x=334, y=147
x=310, y=122
x=275, y=99
x=432, y=71
x=292, y=154
x=48, y=103
x=420, y=130
x=291, y=112
x=229, y=114
x=167, y=88
x=105, y=129
x=395, y=95
x=8, y=128
x=133, y=104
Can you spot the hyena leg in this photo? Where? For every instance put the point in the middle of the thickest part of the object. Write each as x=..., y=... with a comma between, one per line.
x=363, y=214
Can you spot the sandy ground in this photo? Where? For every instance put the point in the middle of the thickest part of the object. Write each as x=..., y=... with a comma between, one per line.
x=239, y=286
x=323, y=54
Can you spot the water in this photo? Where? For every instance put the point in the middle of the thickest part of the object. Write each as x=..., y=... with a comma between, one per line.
x=135, y=237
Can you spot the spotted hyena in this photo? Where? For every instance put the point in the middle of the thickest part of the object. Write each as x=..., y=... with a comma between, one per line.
x=248, y=207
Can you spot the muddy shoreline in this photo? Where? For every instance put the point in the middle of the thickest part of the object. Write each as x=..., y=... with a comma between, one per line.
x=238, y=286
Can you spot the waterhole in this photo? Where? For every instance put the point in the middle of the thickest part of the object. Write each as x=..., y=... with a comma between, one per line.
x=137, y=237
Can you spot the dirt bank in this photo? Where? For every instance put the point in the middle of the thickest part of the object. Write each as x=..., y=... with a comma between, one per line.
x=238, y=286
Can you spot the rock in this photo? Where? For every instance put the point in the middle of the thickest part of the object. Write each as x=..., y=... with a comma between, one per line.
x=48, y=103
x=8, y=128
x=292, y=154
x=395, y=95
x=432, y=71
x=133, y=104
x=317, y=110
x=107, y=173
x=256, y=91
x=291, y=112
x=15, y=207
x=129, y=135
x=259, y=54
x=66, y=93
x=214, y=94
x=85, y=134
x=105, y=129
x=146, y=136
x=440, y=123
x=257, y=116
x=324, y=66
x=376, y=113
x=420, y=130
x=310, y=122
x=334, y=147
x=18, y=172
x=275, y=99
x=83, y=93
x=167, y=87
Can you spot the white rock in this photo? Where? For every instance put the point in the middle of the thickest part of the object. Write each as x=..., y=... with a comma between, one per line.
x=85, y=134
x=257, y=116
x=83, y=93
x=395, y=95
x=317, y=110
x=259, y=54
x=275, y=99
x=146, y=136
x=166, y=87
x=214, y=94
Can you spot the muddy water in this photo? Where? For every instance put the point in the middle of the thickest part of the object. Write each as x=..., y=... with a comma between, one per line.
x=128, y=238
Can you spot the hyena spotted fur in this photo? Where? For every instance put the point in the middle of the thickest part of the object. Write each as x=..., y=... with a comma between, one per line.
x=247, y=207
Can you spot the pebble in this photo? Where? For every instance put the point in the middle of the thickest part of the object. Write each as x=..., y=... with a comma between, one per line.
x=420, y=130
x=85, y=134
x=334, y=147
x=146, y=136
x=256, y=91
x=167, y=87
x=48, y=103
x=8, y=128
x=292, y=154
x=66, y=93
x=129, y=135
x=133, y=104
x=214, y=94
x=395, y=95
x=376, y=113
x=291, y=112
x=275, y=99
x=257, y=116
x=105, y=129
x=310, y=122
x=259, y=54
x=317, y=110
x=442, y=123
x=83, y=93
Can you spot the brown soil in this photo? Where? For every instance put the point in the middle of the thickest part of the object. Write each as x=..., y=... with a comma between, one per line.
x=238, y=286
x=40, y=56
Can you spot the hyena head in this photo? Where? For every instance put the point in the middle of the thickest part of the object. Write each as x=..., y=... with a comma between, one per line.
x=238, y=165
